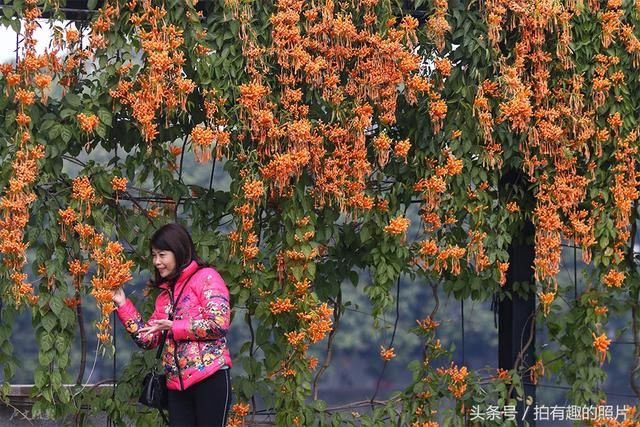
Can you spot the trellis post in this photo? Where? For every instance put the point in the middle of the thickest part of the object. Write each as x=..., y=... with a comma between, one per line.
x=516, y=315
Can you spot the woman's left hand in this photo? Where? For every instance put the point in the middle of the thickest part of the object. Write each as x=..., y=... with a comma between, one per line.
x=156, y=326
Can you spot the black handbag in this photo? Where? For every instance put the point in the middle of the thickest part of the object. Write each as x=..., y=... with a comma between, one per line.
x=154, y=385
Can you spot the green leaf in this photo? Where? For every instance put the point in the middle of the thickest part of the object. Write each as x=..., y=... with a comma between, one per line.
x=61, y=344
x=320, y=405
x=40, y=377
x=56, y=379
x=311, y=268
x=73, y=100
x=36, y=409
x=101, y=130
x=46, y=343
x=64, y=395
x=67, y=112
x=105, y=116
x=55, y=131
x=124, y=391
x=65, y=133
x=63, y=359
x=354, y=277
x=10, y=119
x=248, y=389
x=49, y=322
x=15, y=25
x=297, y=272
x=8, y=11
x=56, y=304
x=262, y=335
x=46, y=358
x=365, y=233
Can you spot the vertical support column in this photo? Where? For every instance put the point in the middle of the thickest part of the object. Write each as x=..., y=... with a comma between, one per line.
x=516, y=314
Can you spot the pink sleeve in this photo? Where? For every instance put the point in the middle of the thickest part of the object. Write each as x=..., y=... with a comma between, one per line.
x=216, y=312
x=133, y=322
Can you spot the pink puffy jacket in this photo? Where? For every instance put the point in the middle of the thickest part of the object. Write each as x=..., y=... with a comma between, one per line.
x=197, y=340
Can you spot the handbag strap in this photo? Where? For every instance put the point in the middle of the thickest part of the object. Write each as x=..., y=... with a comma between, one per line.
x=161, y=346
x=174, y=305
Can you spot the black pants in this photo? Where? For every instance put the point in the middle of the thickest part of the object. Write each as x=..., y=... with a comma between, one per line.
x=205, y=403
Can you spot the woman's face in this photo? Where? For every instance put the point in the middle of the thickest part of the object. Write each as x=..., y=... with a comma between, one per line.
x=164, y=261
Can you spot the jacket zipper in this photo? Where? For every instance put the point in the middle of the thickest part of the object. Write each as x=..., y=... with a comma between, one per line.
x=175, y=359
x=175, y=345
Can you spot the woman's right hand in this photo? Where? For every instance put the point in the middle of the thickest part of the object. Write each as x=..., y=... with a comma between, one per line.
x=119, y=297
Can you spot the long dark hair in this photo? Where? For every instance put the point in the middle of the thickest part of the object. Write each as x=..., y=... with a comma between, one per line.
x=175, y=238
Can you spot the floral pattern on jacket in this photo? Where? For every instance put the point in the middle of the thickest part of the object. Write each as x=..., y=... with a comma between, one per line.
x=197, y=341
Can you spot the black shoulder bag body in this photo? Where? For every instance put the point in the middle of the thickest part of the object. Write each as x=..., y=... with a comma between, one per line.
x=154, y=385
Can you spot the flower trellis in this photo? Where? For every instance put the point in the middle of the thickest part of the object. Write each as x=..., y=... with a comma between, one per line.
x=333, y=119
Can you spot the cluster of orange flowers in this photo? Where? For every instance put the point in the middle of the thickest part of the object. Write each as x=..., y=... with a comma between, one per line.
x=84, y=193
x=492, y=153
x=548, y=239
x=614, y=278
x=624, y=189
x=78, y=269
x=476, y=254
x=382, y=147
x=437, y=25
x=536, y=371
x=281, y=305
x=32, y=74
x=428, y=324
x=516, y=109
x=449, y=259
x=546, y=299
x=308, y=320
x=321, y=47
x=73, y=60
x=119, y=185
x=630, y=418
x=314, y=322
x=401, y=150
x=112, y=273
x=317, y=321
x=581, y=229
x=113, y=270
x=433, y=191
x=387, y=353
x=88, y=123
x=438, y=106
x=457, y=378
x=435, y=186
x=160, y=88
x=559, y=123
x=202, y=137
x=103, y=23
x=238, y=412
x=206, y=135
x=601, y=345
x=503, y=268
x=245, y=238
x=14, y=207
x=568, y=134
x=398, y=226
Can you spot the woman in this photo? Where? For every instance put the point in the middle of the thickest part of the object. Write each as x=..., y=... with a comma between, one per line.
x=196, y=359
